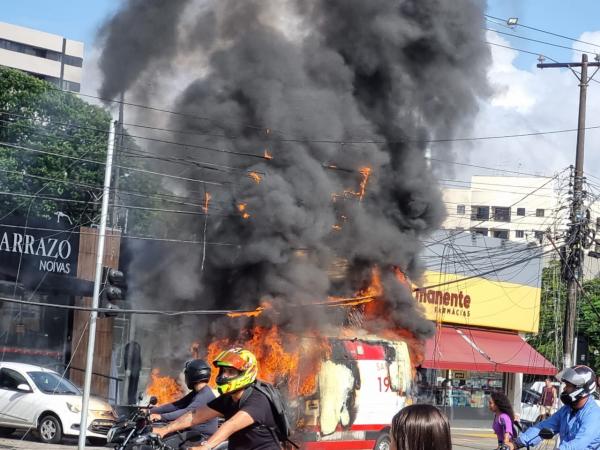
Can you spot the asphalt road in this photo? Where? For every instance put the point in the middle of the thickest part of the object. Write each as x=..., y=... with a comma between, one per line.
x=29, y=442
x=462, y=440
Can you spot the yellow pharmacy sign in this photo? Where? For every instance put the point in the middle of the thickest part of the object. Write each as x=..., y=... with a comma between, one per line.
x=479, y=302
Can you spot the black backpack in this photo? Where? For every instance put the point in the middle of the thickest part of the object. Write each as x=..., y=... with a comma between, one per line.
x=283, y=430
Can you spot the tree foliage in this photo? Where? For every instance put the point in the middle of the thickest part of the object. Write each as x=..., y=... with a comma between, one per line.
x=549, y=340
x=49, y=142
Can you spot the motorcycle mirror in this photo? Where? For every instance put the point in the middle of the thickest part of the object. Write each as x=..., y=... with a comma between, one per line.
x=153, y=401
x=546, y=433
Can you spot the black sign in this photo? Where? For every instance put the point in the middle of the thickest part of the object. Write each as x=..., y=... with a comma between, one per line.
x=41, y=247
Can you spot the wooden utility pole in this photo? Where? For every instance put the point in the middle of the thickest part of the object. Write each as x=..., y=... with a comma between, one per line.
x=573, y=256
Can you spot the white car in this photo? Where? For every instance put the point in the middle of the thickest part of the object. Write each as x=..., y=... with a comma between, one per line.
x=32, y=397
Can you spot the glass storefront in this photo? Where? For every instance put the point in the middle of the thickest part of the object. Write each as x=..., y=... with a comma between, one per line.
x=457, y=388
x=34, y=334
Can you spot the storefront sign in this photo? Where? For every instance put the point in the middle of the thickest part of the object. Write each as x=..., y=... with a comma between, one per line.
x=480, y=302
x=37, y=249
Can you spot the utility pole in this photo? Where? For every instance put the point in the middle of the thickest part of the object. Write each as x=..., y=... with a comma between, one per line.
x=118, y=149
x=573, y=256
x=97, y=281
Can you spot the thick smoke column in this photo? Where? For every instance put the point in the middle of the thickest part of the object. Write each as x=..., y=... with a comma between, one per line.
x=328, y=88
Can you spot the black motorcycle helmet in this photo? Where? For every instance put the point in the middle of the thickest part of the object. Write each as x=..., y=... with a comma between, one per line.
x=196, y=371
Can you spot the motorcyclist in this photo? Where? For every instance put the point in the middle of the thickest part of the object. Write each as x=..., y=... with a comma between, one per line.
x=246, y=426
x=197, y=374
x=577, y=421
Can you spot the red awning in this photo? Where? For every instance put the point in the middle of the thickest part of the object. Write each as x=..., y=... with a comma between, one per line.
x=449, y=350
x=472, y=349
x=510, y=352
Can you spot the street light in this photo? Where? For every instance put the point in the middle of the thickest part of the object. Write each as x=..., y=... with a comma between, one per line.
x=512, y=22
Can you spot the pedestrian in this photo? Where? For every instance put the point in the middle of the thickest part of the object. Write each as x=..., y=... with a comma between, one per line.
x=548, y=398
x=249, y=422
x=197, y=375
x=420, y=427
x=504, y=418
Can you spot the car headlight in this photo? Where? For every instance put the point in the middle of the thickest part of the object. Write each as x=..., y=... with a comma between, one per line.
x=73, y=408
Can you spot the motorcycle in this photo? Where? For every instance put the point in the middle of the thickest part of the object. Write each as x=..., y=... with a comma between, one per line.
x=134, y=432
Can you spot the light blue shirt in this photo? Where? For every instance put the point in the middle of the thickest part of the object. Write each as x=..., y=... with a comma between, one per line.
x=580, y=431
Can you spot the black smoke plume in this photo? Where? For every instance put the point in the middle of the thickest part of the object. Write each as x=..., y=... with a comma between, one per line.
x=327, y=88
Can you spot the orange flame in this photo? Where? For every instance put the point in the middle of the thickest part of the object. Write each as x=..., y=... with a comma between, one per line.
x=336, y=227
x=279, y=356
x=366, y=173
x=255, y=176
x=257, y=312
x=164, y=388
x=207, y=198
x=242, y=209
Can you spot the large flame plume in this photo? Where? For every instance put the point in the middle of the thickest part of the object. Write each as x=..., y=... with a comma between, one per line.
x=164, y=388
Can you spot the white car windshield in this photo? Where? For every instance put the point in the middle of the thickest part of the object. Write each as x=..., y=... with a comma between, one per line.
x=51, y=383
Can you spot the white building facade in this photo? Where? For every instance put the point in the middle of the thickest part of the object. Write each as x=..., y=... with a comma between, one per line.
x=515, y=208
x=47, y=56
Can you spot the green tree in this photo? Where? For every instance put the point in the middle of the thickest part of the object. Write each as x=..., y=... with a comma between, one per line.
x=588, y=320
x=48, y=140
x=549, y=340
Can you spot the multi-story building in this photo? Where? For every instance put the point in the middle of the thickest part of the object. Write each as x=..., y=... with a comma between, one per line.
x=513, y=208
x=47, y=56
x=520, y=209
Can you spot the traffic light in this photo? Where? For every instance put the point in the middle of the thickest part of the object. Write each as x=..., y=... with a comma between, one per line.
x=113, y=291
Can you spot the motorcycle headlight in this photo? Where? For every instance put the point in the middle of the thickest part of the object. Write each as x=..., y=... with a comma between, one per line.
x=73, y=408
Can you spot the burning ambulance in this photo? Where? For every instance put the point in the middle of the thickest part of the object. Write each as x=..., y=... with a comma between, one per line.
x=360, y=386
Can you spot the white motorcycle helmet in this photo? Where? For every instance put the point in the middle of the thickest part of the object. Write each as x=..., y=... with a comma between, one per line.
x=584, y=380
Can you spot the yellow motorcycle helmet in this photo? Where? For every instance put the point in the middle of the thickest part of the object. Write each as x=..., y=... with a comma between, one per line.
x=244, y=362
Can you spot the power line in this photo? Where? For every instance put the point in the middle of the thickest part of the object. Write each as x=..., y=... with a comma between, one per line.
x=536, y=40
x=203, y=164
x=481, y=274
x=130, y=236
x=199, y=312
x=143, y=208
x=132, y=169
x=518, y=24
x=337, y=141
x=486, y=167
x=450, y=236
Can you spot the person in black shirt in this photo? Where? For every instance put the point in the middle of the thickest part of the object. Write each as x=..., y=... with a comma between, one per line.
x=197, y=374
x=248, y=424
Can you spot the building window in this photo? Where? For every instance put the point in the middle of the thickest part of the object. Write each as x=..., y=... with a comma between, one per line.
x=539, y=235
x=480, y=213
x=500, y=234
x=29, y=50
x=501, y=214
x=520, y=234
x=481, y=231
x=72, y=60
x=520, y=211
x=460, y=209
x=71, y=86
x=539, y=212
